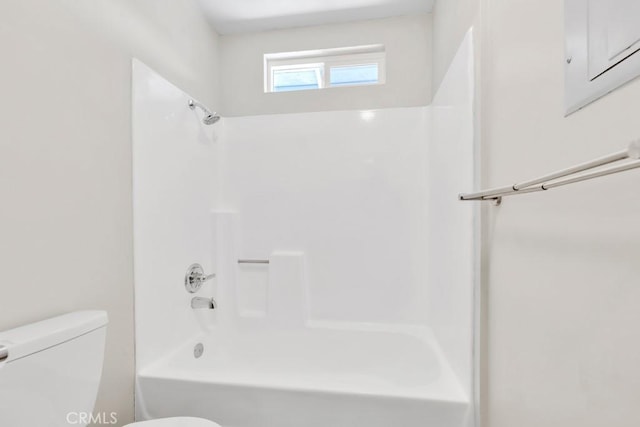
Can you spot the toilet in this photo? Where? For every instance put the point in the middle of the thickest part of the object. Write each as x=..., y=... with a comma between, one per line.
x=175, y=422
x=50, y=373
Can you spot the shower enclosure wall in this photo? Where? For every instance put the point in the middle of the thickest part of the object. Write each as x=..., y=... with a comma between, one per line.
x=359, y=309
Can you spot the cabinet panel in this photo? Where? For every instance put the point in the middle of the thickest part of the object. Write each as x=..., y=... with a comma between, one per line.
x=614, y=33
x=602, y=39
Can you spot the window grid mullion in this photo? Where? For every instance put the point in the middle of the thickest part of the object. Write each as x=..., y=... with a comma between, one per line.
x=327, y=75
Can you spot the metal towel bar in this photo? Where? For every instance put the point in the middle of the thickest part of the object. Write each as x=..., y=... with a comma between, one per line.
x=253, y=261
x=553, y=180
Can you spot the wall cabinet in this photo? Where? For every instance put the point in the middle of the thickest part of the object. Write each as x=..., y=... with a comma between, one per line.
x=602, y=48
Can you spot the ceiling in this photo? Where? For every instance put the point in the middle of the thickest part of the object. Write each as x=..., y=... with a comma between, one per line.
x=238, y=16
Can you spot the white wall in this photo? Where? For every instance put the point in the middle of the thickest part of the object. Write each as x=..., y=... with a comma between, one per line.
x=347, y=190
x=408, y=46
x=562, y=271
x=451, y=20
x=560, y=268
x=65, y=156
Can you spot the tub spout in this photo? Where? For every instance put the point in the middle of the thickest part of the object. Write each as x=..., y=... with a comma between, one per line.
x=199, y=302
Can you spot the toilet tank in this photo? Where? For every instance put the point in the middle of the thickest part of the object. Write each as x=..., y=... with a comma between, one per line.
x=50, y=370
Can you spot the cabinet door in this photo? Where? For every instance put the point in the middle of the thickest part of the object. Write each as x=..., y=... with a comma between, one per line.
x=614, y=34
x=602, y=39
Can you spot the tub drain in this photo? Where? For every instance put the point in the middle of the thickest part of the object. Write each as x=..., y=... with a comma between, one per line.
x=198, y=350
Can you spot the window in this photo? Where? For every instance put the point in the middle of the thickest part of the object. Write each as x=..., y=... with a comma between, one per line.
x=326, y=68
x=297, y=77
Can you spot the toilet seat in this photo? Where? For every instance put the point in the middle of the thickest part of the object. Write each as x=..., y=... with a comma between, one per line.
x=175, y=422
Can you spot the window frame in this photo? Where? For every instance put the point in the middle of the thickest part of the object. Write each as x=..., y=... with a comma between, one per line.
x=328, y=59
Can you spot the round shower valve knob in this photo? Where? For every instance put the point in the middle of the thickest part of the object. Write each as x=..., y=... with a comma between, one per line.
x=195, y=278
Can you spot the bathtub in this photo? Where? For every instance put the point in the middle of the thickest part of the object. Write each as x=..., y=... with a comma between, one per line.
x=313, y=377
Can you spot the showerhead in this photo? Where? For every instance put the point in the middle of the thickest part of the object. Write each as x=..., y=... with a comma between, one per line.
x=209, y=117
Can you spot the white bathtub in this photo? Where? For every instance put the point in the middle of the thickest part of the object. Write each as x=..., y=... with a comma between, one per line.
x=312, y=377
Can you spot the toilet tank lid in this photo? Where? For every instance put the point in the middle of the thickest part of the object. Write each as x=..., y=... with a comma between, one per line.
x=28, y=339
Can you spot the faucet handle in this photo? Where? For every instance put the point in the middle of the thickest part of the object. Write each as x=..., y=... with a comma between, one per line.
x=195, y=278
x=206, y=278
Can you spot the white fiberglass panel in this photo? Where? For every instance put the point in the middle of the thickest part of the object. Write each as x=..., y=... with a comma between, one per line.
x=453, y=231
x=345, y=189
x=174, y=182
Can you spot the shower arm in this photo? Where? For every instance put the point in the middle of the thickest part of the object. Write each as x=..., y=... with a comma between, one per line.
x=193, y=104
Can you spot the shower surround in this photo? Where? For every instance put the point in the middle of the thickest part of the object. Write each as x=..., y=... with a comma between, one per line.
x=363, y=315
